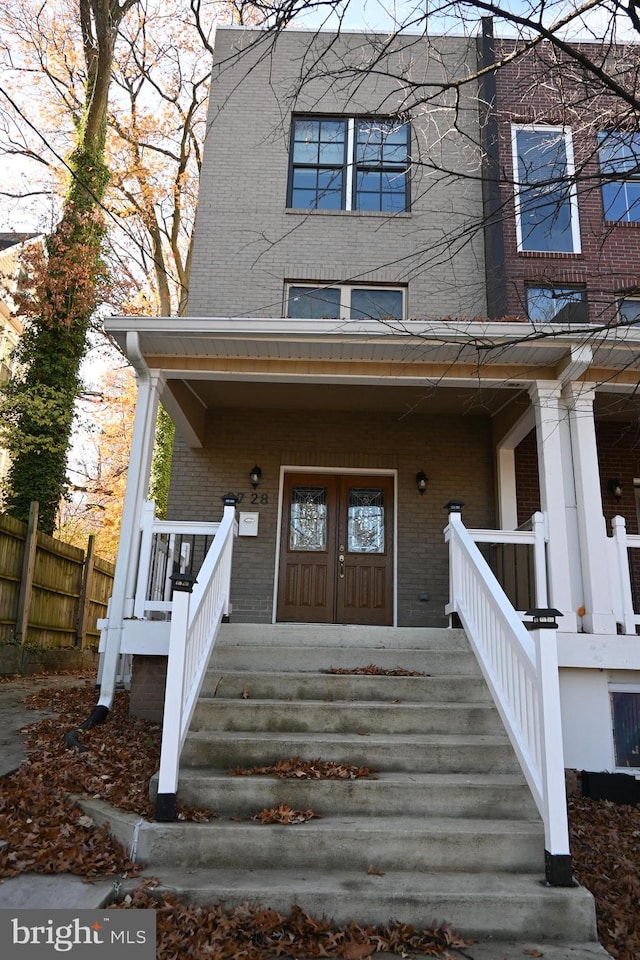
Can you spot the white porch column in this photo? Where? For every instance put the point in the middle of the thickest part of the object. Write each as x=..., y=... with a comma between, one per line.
x=506, y=470
x=592, y=531
x=121, y=603
x=557, y=499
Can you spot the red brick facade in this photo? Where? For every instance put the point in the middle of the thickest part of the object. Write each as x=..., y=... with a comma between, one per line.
x=543, y=87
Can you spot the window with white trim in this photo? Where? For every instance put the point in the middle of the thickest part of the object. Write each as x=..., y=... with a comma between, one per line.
x=625, y=716
x=629, y=311
x=344, y=301
x=556, y=305
x=545, y=193
x=349, y=163
x=619, y=153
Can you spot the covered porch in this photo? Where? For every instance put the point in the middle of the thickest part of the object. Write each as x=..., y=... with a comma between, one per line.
x=492, y=415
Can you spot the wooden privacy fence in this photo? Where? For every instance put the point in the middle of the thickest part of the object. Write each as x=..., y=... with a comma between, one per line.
x=51, y=593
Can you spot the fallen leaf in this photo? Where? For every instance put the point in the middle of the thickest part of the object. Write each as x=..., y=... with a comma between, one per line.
x=356, y=951
x=245, y=693
x=375, y=873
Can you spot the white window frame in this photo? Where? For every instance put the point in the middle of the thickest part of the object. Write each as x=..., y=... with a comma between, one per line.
x=573, y=194
x=345, y=293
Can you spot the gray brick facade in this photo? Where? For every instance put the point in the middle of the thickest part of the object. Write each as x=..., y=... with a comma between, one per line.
x=455, y=452
x=247, y=244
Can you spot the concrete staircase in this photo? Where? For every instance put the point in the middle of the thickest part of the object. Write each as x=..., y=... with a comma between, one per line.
x=447, y=831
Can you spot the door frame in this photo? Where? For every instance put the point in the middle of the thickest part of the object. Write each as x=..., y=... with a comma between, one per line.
x=337, y=471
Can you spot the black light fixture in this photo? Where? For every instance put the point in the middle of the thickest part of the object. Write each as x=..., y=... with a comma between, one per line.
x=421, y=481
x=255, y=476
x=614, y=486
x=544, y=618
x=183, y=582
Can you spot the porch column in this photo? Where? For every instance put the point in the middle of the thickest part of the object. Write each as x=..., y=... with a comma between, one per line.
x=592, y=531
x=122, y=597
x=506, y=470
x=557, y=500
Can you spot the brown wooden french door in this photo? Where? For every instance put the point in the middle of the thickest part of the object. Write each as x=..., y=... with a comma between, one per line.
x=336, y=549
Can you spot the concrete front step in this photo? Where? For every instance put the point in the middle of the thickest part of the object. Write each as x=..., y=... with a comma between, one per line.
x=313, y=635
x=386, y=843
x=482, y=796
x=340, y=717
x=283, y=685
x=436, y=753
x=301, y=659
x=512, y=906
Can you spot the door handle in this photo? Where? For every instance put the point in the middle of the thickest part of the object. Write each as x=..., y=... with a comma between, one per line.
x=341, y=562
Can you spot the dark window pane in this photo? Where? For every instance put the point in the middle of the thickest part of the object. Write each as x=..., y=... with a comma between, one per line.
x=306, y=130
x=544, y=191
x=614, y=201
x=332, y=131
x=369, y=180
x=629, y=311
x=313, y=303
x=392, y=202
x=376, y=304
x=305, y=153
x=304, y=199
x=633, y=201
x=368, y=201
x=625, y=708
x=545, y=221
x=619, y=152
x=556, y=305
x=394, y=182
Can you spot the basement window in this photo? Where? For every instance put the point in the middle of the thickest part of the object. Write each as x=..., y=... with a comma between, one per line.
x=625, y=715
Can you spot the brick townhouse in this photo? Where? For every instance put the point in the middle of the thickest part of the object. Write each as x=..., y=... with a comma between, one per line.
x=389, y=308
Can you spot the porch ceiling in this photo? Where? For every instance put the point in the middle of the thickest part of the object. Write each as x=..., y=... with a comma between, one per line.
x=399, y=367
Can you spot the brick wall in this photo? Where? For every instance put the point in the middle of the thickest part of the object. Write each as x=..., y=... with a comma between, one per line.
x=444, y=447
x=618, y=457
x=247, y=244
x=148, y=680
x=544, y=87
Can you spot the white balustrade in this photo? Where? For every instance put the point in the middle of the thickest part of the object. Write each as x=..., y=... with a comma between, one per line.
x=521, y=670
x=622, y=579
x=163, y=547
x=195, y=621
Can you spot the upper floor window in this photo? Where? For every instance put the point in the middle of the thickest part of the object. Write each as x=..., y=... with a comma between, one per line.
x=556, y=305
x=629, y=311
x=307, y=302
x=349, y=163
x=619, y=154
x=546, y=203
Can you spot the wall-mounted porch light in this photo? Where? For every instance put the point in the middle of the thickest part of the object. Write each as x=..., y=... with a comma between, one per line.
x=255, y=476
x=614, y=486
x=421, y=481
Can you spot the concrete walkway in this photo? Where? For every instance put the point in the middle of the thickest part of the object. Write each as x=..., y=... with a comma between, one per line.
x=28, y=891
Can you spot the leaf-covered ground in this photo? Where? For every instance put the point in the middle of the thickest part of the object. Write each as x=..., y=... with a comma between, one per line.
x=47, y=833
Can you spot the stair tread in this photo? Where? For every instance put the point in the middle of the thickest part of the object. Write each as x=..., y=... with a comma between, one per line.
x=246, y=704
x=381, y=826
x=458, y=780
x=451, y=739
x=399, y=885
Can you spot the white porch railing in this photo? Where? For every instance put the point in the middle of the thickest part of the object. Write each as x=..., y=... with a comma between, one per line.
x=167, y=546
x=535, y=538
x=625, y=563
x=195, y=620
x=521, y=670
